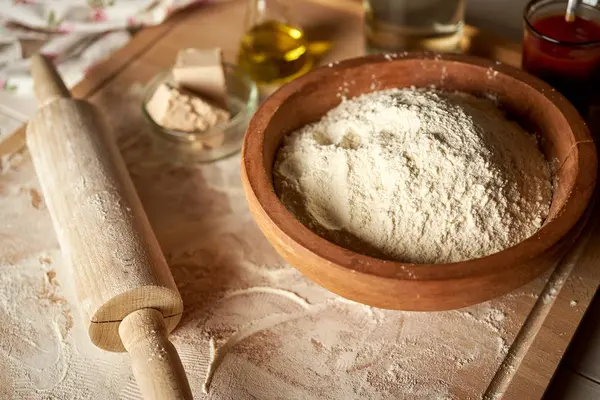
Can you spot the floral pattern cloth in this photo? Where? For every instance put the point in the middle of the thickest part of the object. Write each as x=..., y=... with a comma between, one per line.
x=77, y=33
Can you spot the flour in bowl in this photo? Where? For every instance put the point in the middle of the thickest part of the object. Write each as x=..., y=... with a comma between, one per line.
x=416, y=176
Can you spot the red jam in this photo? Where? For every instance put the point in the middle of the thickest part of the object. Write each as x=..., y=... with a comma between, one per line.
x=572, y=65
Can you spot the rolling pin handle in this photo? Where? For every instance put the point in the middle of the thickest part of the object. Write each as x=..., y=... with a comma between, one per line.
x=155, y=362
x=47, y=84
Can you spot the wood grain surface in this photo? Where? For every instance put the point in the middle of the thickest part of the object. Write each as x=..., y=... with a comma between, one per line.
x=546, y=323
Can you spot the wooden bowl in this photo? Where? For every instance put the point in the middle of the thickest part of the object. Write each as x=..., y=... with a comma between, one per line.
x=565, y=140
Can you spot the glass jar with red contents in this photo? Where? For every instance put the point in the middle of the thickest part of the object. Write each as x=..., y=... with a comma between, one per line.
x=565, y=54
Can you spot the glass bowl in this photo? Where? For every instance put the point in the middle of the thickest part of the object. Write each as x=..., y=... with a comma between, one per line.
x=220, y=141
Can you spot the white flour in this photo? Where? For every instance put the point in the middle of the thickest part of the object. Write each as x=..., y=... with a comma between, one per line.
x=417, y=176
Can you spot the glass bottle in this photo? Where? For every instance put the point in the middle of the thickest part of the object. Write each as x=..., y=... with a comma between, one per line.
x=396, y=25
x=273, y=50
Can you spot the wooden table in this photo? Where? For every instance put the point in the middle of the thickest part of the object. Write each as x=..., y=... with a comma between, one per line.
x=510, y=346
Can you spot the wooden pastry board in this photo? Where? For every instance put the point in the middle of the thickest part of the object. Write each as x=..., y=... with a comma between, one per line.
x=542, y=317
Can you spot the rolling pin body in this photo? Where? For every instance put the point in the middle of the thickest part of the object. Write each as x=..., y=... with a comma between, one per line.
x=118, y=268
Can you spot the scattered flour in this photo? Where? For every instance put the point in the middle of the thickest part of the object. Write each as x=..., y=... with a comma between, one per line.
x=417, y=176
x=550, y=295
x=253, y=327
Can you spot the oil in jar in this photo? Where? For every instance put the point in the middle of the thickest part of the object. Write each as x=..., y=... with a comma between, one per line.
x=274, y=51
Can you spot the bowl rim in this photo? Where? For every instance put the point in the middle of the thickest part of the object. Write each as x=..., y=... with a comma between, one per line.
x=297, y=235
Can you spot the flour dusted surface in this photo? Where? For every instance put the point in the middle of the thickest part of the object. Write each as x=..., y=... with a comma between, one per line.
x=233, y=283
x=417, y=176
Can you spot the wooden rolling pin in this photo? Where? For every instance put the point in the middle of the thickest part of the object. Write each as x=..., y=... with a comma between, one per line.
x=124, y=286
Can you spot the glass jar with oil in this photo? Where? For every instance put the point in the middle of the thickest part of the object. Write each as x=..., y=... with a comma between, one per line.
x=272, y=50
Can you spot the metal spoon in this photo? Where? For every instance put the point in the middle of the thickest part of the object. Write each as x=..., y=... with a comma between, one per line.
x=571, y=10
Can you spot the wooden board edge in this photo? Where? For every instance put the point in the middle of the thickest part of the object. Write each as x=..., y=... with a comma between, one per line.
x=510, y=379
x=552, y=318
x=101, y=73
